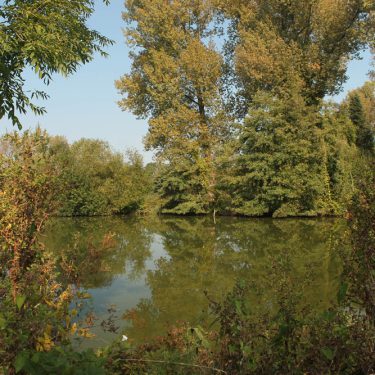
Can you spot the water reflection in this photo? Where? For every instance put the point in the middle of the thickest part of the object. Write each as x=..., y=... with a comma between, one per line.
x=156, y=270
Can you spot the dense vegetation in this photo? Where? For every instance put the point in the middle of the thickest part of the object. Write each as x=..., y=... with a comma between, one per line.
x=92, y=179
x=235, y=97
x=96, y=180
x=286, y=161
x=234, y=92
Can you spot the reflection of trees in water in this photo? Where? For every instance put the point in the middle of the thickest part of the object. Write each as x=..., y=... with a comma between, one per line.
x=204, y=256
x=83, y=242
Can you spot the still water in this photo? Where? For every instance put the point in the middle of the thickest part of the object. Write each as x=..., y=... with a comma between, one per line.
x=151, y=274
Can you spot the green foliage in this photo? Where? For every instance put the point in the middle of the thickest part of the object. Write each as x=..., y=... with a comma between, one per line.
x=64, y=361
x=272, y=43
x=91, y=179
x=360, y=265
x=365, y=137
x=291, y=342
x=177, y=353
x=286, y=337
x=33, y=305
x=98, y=181
x=366, y=95
x=292, y=155
x=280, y=167
x=176, y=81
x=182, y=188
x=341, y=156
x=47, y=36
x=36, y=320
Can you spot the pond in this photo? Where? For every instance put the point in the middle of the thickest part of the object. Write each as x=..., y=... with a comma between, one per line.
x=150, y=274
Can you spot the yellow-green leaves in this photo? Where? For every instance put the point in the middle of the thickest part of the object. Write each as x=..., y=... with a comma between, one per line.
x=278, y=41
x=176, y=82
x=20, y=300
x=3, y=321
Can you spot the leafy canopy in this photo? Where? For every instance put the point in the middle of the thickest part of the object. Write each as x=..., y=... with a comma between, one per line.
x=47, y=37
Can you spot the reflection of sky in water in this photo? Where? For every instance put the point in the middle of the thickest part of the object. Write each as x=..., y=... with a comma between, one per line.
x=159, y=269
x=122, y=286
x=123, y=294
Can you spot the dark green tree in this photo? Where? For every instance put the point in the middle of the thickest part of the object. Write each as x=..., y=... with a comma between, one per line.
x=341, y=153
x=365, y=137
x=281, y=168
x=182, y=186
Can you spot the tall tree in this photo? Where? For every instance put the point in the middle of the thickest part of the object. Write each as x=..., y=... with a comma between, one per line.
x=47, y=37
x=281, y=169
x=286, y=56
x=365, y=137
x=341, y=153
x=175, y=82
x=366, y=95
x=312, y=40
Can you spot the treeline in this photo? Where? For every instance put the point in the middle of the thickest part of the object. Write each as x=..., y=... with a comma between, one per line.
x=286, y=159
x=90, y=178
x=95, y=180
x=234, y=94
x=283, y=161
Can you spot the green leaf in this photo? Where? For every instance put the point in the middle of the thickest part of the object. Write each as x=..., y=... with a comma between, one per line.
x=200, y=335
x=238, y=307
x=328, y=353
x=329, y=315
x=20, y=361
x=36, y=357
x=341, y=294
x=20, y=300
x=283, y=330
x=2, y=321
x=32, y=229
x=232, y=349
x=246, y=350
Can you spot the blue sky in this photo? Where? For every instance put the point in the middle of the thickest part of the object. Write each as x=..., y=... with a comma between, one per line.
x=84, y=105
